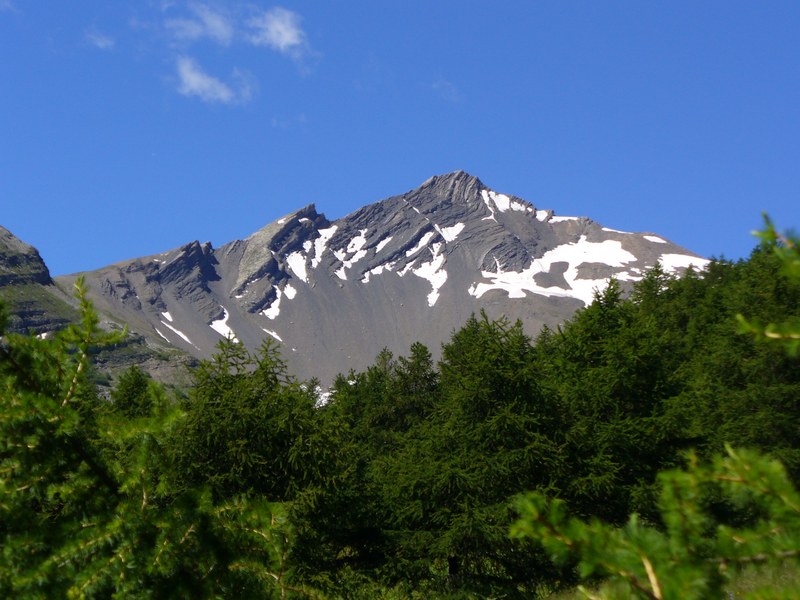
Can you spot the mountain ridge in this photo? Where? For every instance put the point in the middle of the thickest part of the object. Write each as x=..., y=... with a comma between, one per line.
x=411, y=267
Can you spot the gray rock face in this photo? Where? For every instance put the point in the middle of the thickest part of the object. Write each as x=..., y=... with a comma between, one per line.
x=409, y=268
x=37, y=305
x=20, y=262
x=34, y=302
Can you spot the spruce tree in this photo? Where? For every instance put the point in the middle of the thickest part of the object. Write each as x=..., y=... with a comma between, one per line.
x=87, y=505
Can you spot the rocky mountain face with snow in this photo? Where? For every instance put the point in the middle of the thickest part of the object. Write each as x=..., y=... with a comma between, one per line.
x=409, y=268
x=37, y=304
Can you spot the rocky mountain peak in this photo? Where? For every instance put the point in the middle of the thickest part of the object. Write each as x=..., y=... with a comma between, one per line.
x=458, y=184
x=411, y=267
x=20, y=262
x=456, y=189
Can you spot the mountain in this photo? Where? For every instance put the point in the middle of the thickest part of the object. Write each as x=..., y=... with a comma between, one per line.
x=412, y=267
x=38, y=304
x=34, y=302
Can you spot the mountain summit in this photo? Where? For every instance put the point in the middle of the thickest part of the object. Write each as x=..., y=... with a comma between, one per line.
x=412, y=267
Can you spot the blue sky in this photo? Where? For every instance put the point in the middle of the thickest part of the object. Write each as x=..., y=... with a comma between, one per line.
x=130, y=128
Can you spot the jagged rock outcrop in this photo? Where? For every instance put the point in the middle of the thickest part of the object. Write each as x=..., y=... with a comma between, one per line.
x=37, y=305
x=34, y=302
x=412, y=267
x=20, y=263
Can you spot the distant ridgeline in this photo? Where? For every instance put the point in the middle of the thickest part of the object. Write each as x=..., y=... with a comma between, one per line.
x=410, y=268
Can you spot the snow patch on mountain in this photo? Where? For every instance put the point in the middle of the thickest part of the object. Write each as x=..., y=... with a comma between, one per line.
x=273, y=334
x=221, y=326
x=377, y=271
x=358, y=242
x=179, y=333
x=355, y=250
x=433, y=272
x=673, y=262
x=487, y=199
x=274, y=309
x=517, y=283
x=321, y=243
x=382, y=244
x=167, y=316
x=297, y=263
x=656, y=239
x=451, y=233
x=421, y=244
x=407, y=268
x=502, y=203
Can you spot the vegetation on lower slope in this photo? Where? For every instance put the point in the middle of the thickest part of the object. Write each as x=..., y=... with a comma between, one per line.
x=36, y=308
x=408, y=480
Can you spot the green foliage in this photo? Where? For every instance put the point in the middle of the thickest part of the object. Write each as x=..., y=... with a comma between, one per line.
x=590, y=414
x=248, y=427
x=342, y=525
x=133, y=394
x=31, y=304
x=86, y=505
x=404, y=482
x=740, y=511
x=695, y=555
x=608, y=373
x=441, y=481
x=787, y=248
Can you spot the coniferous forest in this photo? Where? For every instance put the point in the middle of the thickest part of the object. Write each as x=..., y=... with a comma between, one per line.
x=649, y=447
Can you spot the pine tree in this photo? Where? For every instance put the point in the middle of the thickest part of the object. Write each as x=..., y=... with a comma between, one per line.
x=86, y=503
x=717, y=519
x=447, y=488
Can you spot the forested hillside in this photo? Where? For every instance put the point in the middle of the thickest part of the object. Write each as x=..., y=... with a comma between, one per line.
x=403, y=480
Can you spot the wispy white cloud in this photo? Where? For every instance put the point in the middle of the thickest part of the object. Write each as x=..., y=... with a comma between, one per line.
x=204, y=22
x=194, y=81
x=279, y=29
x=99, y=40
x=179, y=27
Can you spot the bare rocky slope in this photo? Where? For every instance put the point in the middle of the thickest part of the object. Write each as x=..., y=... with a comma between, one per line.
x=35, y=303
x=412, y=267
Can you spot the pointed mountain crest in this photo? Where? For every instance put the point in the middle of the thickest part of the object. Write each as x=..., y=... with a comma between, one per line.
x=460, y=191
x=458, y=184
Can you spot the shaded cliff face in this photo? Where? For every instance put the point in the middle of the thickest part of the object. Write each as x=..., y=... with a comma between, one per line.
x=409, y=268
x=20, y=263
x=34, y=303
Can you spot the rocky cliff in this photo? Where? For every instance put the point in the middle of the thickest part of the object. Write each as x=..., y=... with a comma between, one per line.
x=412, y=267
